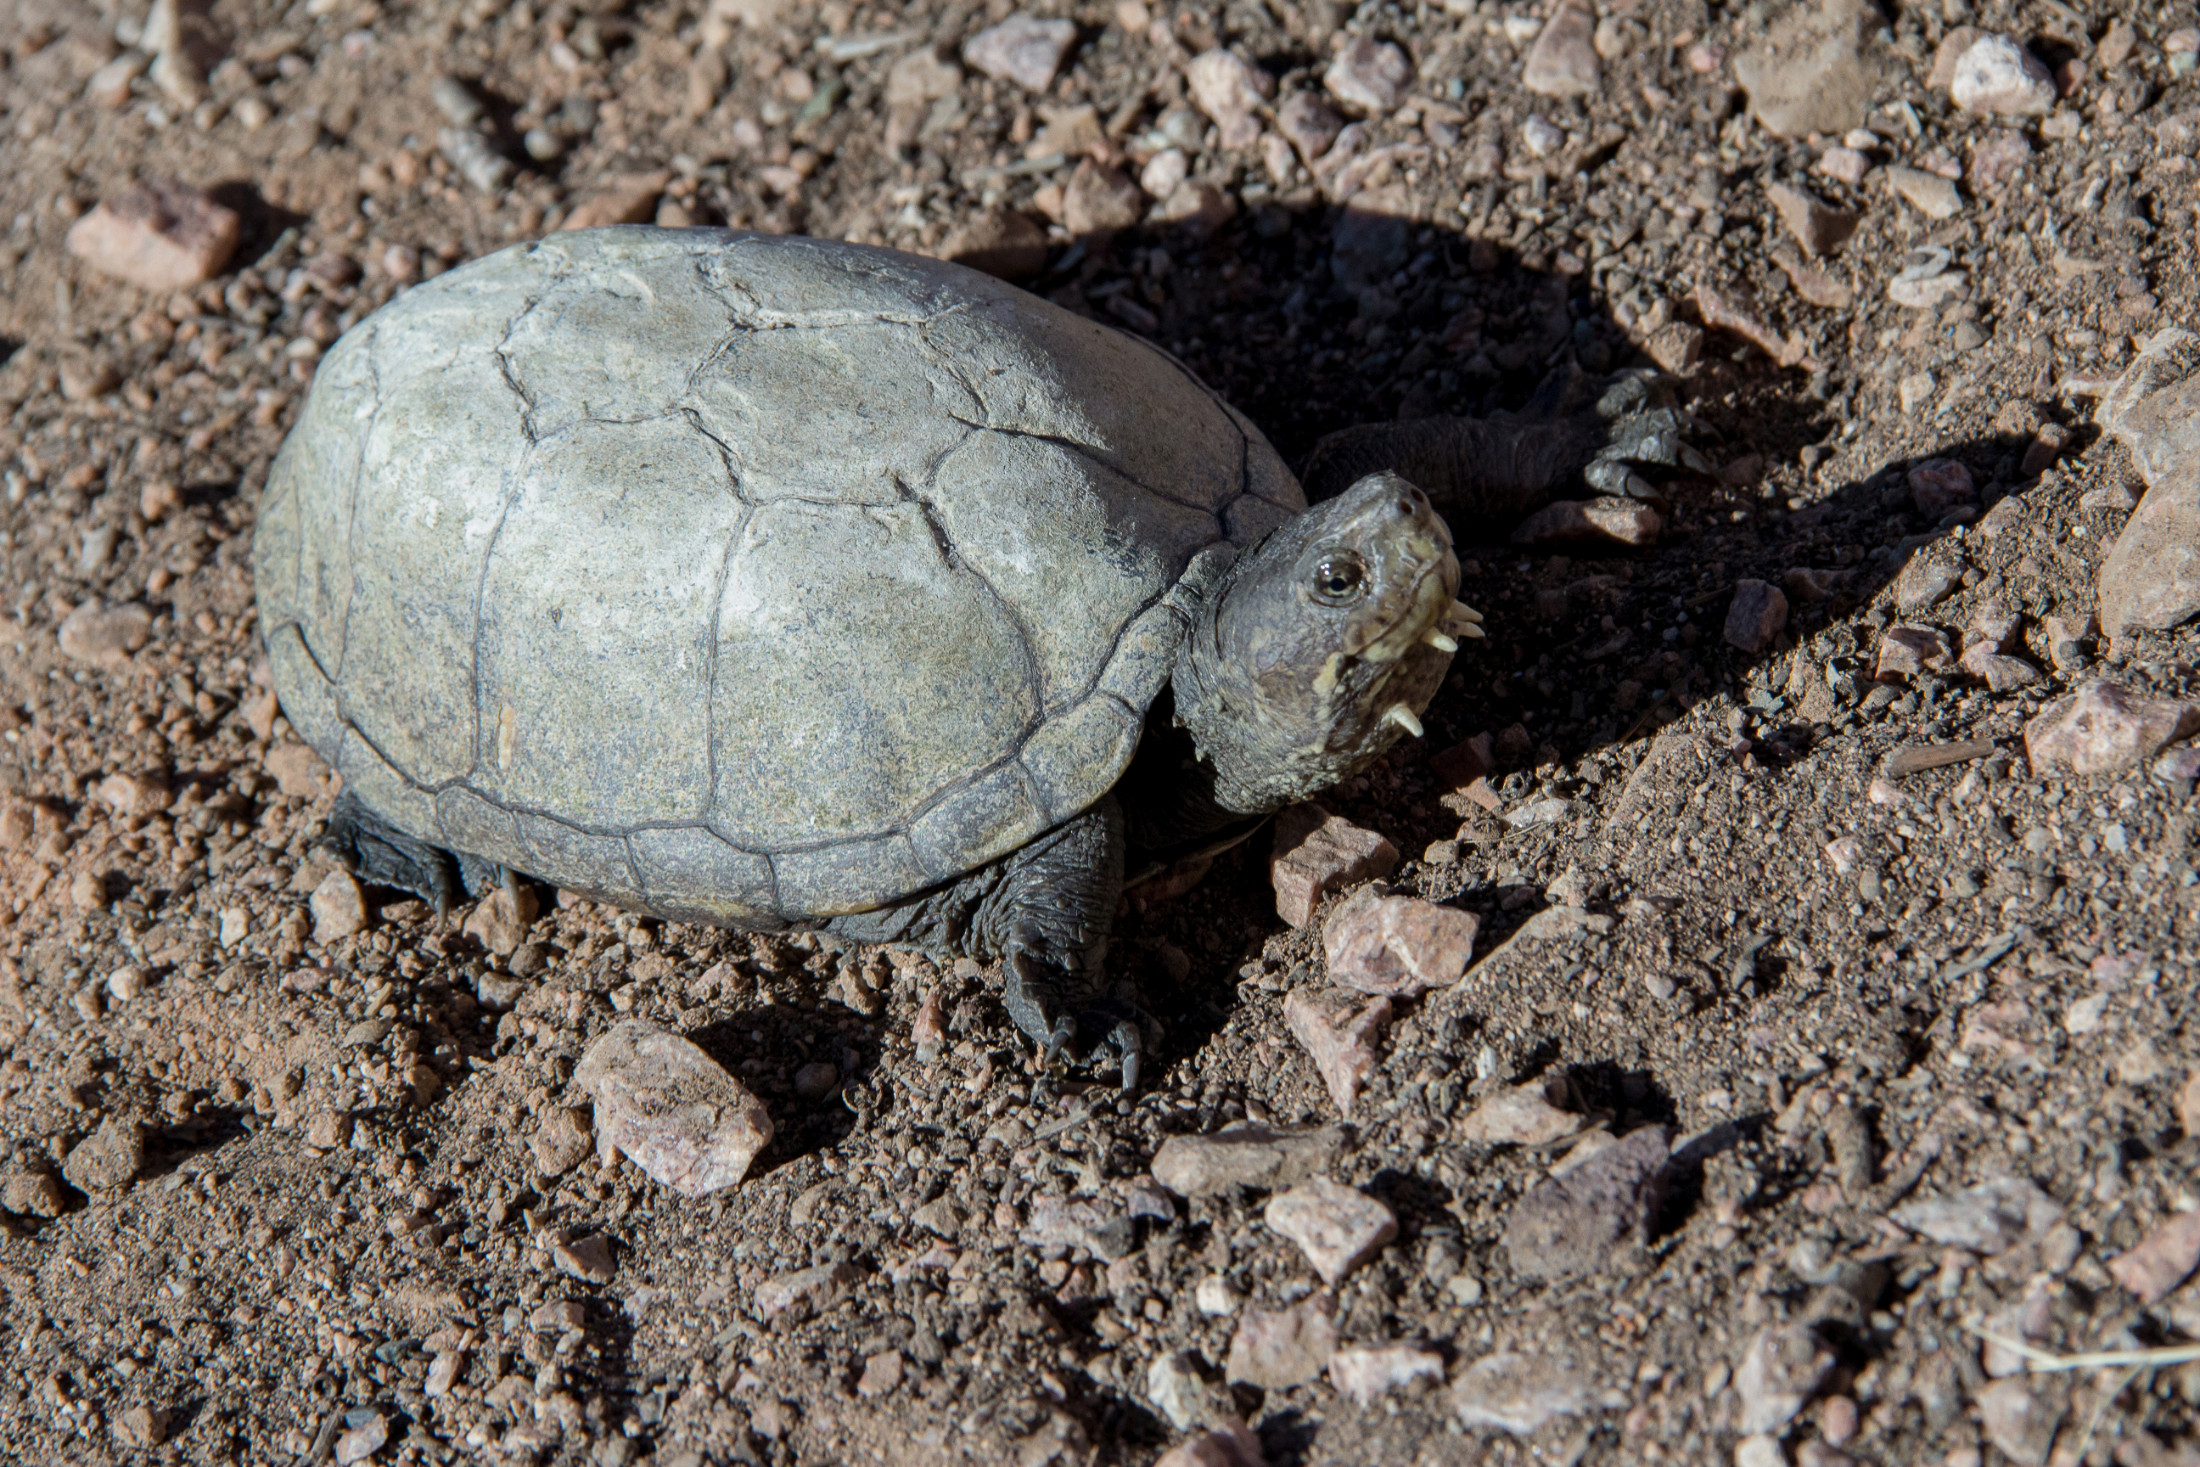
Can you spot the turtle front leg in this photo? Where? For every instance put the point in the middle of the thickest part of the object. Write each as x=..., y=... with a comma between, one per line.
x=1483, y=475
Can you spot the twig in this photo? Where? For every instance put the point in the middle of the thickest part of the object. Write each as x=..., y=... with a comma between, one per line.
x=2046, y=1361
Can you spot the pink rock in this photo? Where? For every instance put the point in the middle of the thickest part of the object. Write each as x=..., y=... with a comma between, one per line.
x=671, y=1109
x=2000, y=673
x=1563, y=61
x=1366, y=1373
x=2162, y=1260
x=1100, y=202
x=1520, y=1116
x=1997, y=77
x=1023, y=49
x=1231, y=90
x=1905, y=651
x=1939, y=485
x=1337, y=1227
x=1757, y=614
x=1316, y=853
x=2151, y=578
x=1277, y=1349
x=1339, y=1031
x=105, y=634
x=1229, y=1445
x=1243, y=1156
x=1565, y=521
x=1999, y=162
x=818, y=1287
x=1993, y=625
x=2102, y=728
x=1368, y=75
x=1308, y=123
x=1397, y=945
x=161, y=235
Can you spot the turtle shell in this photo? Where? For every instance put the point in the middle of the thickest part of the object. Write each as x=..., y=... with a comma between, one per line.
x=741, y=578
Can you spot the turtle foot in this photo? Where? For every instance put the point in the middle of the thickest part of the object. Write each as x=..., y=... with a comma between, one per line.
x=1646, y=438
x=1045, y=1006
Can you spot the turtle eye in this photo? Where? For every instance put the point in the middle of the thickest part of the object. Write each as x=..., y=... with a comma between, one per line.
x=1340, y=578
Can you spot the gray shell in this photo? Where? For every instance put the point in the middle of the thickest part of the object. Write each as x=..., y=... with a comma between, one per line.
x=741, y=578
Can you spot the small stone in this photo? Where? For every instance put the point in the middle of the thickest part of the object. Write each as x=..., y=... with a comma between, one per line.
x=143, y=1427
x=1927, y=293
x=1001, y=242
x=33, y=1194
x=85, y=378
x=1593, y=521
x=1023, y=49
x=815, y=1080
x=499, y=922
x=928, y=1030
x=1317, y=853
x=443, y=1373
x=1098, y=1227
x=1368, y=1373
x=881, y=1375
x=1337, y=1227
x=125, y=983
x=1676, y=347
x=108, y=1159
x=1369, y=76
x=1541, y=136
x=1196, y=211
x=1563, y=61
x=1179, y=1387
x=1808, y=74
x=329, y=1130
x=1757, y=614
x=1231, y=91
x=1930, y=194
x=299, y=772
x=1924, y=583
x=939, y=1216
x=1308, y=124
x=1523, y=1115
x=1989, y=1218
x=1906, y=651
x=160, y=235
x=2103, y=728
x=1164, y=172
x=1099, y=201
x=1340, y=1032
x=1229, y=1445
x=1845, y=165
x=2161, y=1260
x=88, y=893
x=562, y=1140
x=1998, y=163
x=628, y=200
x=819, y=1287
x=2001, y=673
x=362, y=1439
x=1278, y=1349
x=1996, y=77
x=1594, y=1219
x=339, y=907
x=2151, y=579
x=2019, y=1420
x=1521, y=1393
x=1781, y=1369
x=133, y=795
x=1215, y=1298
x=1817, y=228
x=1759, y=1451
x=1939, y=485
x=587, y=1259
x=1244, y=1156
x=1397, y=945
x=104, y=634
x=1953, y=44
x=671, y=1110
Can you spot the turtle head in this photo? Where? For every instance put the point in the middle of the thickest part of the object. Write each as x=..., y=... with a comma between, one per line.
x=1322, y=646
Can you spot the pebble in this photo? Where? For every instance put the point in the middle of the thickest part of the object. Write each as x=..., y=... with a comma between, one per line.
x=1759, y=1451
x=1782, y=1367
x=1229, y=1445
x=1523, y=1115
x=1244, y=1156
x=1997, y=77
x=1989, y=1218
x=1757, y=614
x=1927, y=293
x=1099, y=201
x=2151, y=578
x=108, y=1159
x=815, y=1080
x=133, y=795
x=1195, y=210
x=1308, y=124
x=819, y=1287
x=2161, y=1260
x=1276, y=1349
x=1807, y=74
x=33, y=1194
x=125, y=983
x=628, y=200
x=1365, y=1373
x=2104, y=727
x=2001, y=673
x=160, y=235
x=1924, y=583
x=1521, y=1393
x=881, y=1376
x=94, y=633
x=1369, y=76
x=1002, y=242
x=339, y=907
x=1023, y=49
x=1906, y=651
x=363, y=1438
x=1940, y=484
x=1317, y=853
x=1397, y=945
x=299, y=772
x=1231, y=91
x=1340, y=1032
x=562, y=1140
x=671, y=1110
x=2019, y=1420
x=1180, y=1387
x=1563, y=61
x=1601, y=520
x=1915, y=391
x=499, y=921
x=1675, y=347
x=329, y=1130
x=1216, y=1298
x=1337, y=1227
x=1928, y=193
x=588, y=1259
x=1164, y=172
x=1541, y=136
x=143, y=1427
x=1818, y=228
x=1595, y=1218
x=1844, y=165
x=1079, y=1222
x=480, y=164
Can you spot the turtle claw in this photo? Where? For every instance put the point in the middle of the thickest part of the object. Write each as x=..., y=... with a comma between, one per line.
x=1643, y=430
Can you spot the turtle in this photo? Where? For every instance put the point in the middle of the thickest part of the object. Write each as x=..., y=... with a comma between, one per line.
x=784, y=583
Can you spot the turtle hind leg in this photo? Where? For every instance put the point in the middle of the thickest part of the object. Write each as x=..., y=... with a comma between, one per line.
x=380, y=854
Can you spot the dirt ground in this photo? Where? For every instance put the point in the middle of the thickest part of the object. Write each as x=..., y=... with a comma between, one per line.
x=273, y=1194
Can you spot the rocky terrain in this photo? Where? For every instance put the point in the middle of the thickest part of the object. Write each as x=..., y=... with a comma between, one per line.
x=1755, y=1024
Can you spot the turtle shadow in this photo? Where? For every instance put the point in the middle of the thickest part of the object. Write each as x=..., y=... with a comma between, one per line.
x=766, y=1046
